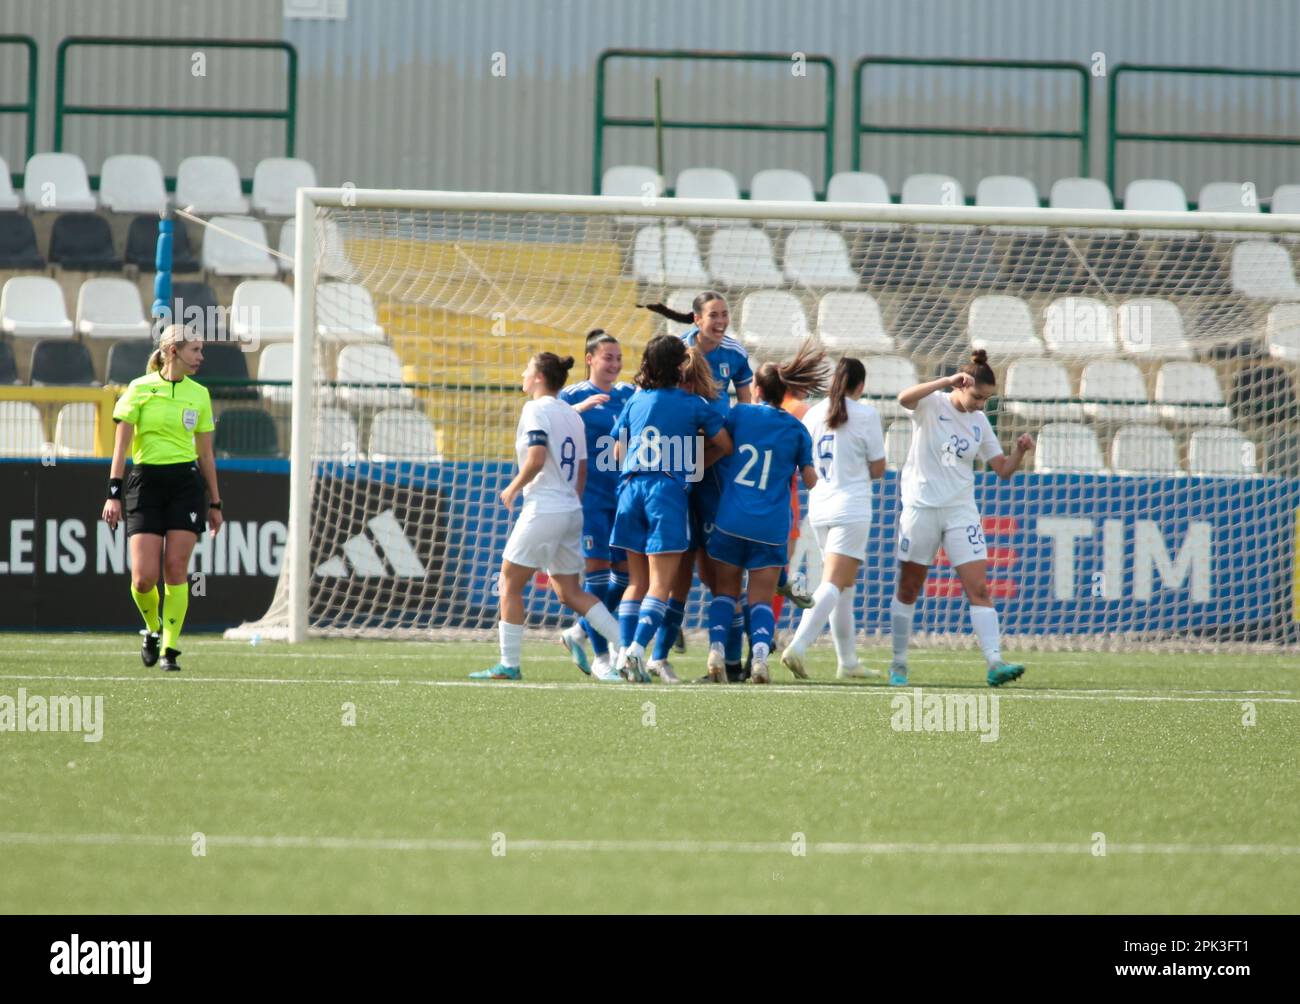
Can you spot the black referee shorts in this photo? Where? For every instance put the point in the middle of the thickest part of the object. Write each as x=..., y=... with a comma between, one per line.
x=162, y=497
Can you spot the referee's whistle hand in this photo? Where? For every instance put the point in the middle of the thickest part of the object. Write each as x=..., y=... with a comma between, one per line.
x=112, y=513
x=214, y=521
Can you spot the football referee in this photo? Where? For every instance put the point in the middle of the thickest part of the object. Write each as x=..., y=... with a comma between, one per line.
x=165, y=420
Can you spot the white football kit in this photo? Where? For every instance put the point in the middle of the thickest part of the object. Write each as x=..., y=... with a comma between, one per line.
x=548, y=533
x=938, y=482
x=839, y=505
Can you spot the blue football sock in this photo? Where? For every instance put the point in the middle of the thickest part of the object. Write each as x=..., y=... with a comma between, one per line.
x=736, y=636
x=651, y=616
x=596, y=583
x=614, y=593
x=762, y=625
x=784, y=579
x=722, y=610
x=628, y=611
x=668, y=633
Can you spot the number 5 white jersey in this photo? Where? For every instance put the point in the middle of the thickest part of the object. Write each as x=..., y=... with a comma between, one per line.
x=842, y=494
x=549, y=422
x=940, y=467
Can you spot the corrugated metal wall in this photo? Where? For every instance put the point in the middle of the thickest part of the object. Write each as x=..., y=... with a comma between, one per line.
x=403, y=94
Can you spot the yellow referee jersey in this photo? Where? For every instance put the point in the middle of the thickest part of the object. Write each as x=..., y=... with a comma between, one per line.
x=166, y=415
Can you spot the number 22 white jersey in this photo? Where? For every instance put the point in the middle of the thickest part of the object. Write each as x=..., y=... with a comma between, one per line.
x=554, y=424
x=940, y=467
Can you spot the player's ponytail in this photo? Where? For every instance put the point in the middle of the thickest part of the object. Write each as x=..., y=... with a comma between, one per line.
x=553, y=369
x=173, y=336
x=698, y=378
x=680, y=316
x=805, y=374
x=979, y=368
x=850, y=374
x=661, y=363
x=596, y=337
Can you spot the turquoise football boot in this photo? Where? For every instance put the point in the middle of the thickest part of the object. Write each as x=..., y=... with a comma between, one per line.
x=498, y=672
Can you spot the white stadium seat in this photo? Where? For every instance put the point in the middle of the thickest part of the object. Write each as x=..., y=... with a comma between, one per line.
x=857, y=186
x=336, y=436
x=850, y=324
x=132, y=183
x=367, y=365
x=1039, y=390
x=1003, y=326
x=630, y=181
x=1068, y=447
x=22, y=433
x=818, y=258
x=1152, y=328
x=1161, y=196
x=1007, y=191
x=261, y=310
x=225, y=254
x=1079, y=326
x=1080, y=193
x=210, y=185
x=1284, y=332
x=1221, y=453
x=9, y=199
x=74, y=430
x=110, y=308
x=772, y=323
x=276, y=363
x=1144, y=450
x=1113, y=390
x=1189, y=393
x=777, y=184
x=706, y=183
x=403, y=435
x=898, y=440
x=1226, y=197
x=57, y=182
x=285, y=245
x=276, y=181
x=933, y=190
x=886, y=377
x=345, y=312
x=742, y=257
x=668, y=256
x=31, y=306
x=1262, y=270
x=1286, y=199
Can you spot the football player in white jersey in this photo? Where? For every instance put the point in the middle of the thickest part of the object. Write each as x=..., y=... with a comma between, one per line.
x=551, y=445
x=949, y=431
x=849, y=453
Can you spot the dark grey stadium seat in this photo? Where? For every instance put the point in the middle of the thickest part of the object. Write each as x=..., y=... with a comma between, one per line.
x=60, y=363
x=246, y=432
x=196, y=304
x=224, y=361
x=142, y=245
x=8, y=366
x=128, y=360
x=83, y=241
x=927, y=325
x=18, y=243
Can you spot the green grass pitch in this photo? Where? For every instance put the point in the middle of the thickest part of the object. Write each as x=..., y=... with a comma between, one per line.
x=561, y=794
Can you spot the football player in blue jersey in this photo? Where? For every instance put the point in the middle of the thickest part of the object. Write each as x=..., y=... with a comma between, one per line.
x=753, y=519
x=599, y=400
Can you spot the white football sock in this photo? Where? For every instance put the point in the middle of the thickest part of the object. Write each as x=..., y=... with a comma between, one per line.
x=900, y=623
x=844, y=629
x=985, y=622
x=604, y=622
x=511, y=637
x=815, y=617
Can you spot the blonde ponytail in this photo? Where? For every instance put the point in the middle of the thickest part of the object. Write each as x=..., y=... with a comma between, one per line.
x=173, y=336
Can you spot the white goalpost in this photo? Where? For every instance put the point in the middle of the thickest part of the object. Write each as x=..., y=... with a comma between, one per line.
x=1154, y=356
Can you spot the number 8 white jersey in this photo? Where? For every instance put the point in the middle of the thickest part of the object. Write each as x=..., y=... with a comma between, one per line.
x=549, y=422
x=940, y=467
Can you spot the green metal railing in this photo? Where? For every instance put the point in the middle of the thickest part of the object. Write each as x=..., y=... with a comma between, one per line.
x=288, y=115
x=1115, y=136
x=826, y=128
x=1081, y=135
x=28, y=107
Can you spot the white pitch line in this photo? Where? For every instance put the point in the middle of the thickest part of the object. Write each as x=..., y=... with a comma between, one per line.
x=806, y=690
x=782, y=847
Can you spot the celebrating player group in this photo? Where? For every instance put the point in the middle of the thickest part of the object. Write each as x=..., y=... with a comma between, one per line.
x=642, y=487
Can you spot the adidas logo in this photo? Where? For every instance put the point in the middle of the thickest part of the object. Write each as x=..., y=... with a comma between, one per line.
x=359, y=557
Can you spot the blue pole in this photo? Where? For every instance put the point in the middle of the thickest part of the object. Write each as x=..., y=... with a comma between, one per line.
x=162, y=280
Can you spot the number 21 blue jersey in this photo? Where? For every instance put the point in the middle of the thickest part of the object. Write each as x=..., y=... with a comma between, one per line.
x=770, y=446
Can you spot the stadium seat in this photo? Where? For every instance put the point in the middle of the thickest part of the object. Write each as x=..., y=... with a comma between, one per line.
x=1286, y=199
x=57, y=182
x=364, y=370
x=898, y=440
x=887, y=376
x=1079, y=326
x=18, y=243
x=8, y=366
x=22, y=433
x=850, y=324
x=74, y=429
x=1189, y=394
x=668, y=256
x=131, y=183
x=1006, y=190
x=224, y=254
x=857, y=186
x=195, y=304
x=886, y=255
x=1068, y=447
x=1116, y=261
x=932, y=190
x=83, y=242
x=706, y=183
x=1003, y=326
x=127, y=360
x=225, y=372
x=210, y=185
x=246, y=432
x=285, y=245
x=1155, y=195
x=62, y=364
x=1152, y=328
x=1226, y=197
x=403, y=435
x=9, y=200
x=346, y=313
x=336, y=436
x=1264, y=395
x=772, y=323
x=276, y=363
x=1113, y=390
x=818, y=258
x=31, y=306
x=1144, y=450
x=332, y=259
x=1262, y=270
x=630, y=181
x=1284, y=332
x=261, y=311
x=926, y=324
x=781, y=185
x=1038, y=390
x=1080, y=193
x=1221, y=453
x=1224, y=328
x=276, y=181
x=962, y=256
x=142, y=245
x=110, y=308
x=741, y=257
